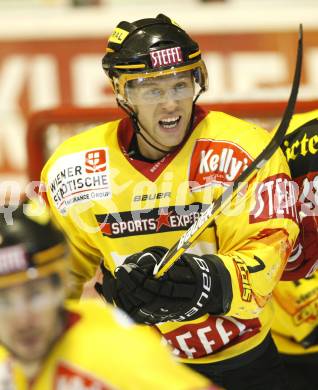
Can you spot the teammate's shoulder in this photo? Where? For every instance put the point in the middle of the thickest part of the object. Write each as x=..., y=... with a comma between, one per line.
x=4, y=354
x=299, y=121
x=108, y=327
x=99, y=314
x=103, y=317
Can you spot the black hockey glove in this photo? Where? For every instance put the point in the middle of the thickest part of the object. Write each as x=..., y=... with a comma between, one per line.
x=192, y=287
x=114, y=293
x=118, y=290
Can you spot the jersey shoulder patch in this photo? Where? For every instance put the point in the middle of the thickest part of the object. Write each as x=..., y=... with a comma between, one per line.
x=79, y=177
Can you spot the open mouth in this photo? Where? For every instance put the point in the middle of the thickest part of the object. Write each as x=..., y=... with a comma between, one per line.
x=170, y=123
x=29, y=338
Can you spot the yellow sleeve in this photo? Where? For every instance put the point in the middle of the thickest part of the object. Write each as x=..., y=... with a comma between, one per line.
x=256, y=238
x=161, y=372
x=127, y=355
x=83, y=265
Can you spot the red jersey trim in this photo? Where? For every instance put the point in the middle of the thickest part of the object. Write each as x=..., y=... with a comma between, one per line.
x=71, y=319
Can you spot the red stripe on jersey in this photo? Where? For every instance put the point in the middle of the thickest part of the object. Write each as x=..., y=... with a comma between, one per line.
x=197, y=340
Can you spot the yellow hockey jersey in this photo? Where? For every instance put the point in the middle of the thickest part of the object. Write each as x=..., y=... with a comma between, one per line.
x=300, y=148
x=101, y=349
x=112, y=206
x=295, y=327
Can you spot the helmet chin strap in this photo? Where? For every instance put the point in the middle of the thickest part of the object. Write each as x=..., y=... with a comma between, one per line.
x=137, y=130
x=134, y=118
x=136, y=123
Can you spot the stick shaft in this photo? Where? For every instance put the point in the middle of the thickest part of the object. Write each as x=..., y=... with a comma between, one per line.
x=212, y=212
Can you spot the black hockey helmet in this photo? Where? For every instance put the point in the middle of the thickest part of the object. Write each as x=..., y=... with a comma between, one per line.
x=30, y=247
x=149, y=48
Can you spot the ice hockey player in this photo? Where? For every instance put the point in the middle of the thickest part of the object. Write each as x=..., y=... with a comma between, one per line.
x=125, y=191
x=49, y=344
x=295, y=327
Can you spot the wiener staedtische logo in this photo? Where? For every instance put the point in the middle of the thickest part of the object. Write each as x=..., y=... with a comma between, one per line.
x=80, y=177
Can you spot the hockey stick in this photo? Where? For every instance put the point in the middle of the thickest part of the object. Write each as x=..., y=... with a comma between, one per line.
x=211, y=213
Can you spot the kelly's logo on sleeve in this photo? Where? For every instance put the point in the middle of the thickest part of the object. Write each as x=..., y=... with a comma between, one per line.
x=216, y=162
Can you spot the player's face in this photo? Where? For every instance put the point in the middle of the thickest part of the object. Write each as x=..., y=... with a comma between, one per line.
x=30, y=318
x=164, y=106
